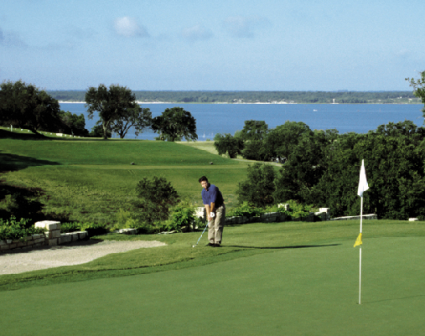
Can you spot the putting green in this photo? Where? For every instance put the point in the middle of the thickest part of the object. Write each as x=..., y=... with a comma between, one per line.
x=309, y=290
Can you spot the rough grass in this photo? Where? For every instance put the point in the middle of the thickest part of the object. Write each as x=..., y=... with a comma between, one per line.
x=90, y=180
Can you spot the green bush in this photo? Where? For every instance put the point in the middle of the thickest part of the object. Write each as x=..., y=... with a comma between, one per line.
x=298, y=210
x=124, y=220
x=93, y=229
x=245, y=210
x=70, y=227
x=182, y=218
x=156, y=198
x=13, y=229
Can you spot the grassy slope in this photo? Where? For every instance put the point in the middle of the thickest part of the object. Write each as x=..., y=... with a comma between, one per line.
x=89, y=180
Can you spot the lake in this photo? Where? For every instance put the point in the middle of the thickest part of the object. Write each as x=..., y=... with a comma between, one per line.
x=228, y=118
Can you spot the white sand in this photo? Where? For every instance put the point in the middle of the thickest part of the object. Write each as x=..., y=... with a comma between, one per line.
x=65, y=255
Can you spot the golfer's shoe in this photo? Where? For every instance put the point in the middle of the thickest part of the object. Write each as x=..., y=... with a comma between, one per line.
x=216, y=245
x=209, y=244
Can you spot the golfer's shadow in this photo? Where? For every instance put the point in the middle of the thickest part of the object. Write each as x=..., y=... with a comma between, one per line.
x=282, y=247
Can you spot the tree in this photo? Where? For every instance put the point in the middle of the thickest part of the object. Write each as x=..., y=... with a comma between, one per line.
x=395, y=161
x=156, y=197
x=73, y=123
x=280, y=142
x=174, y=124
x=419, y=88
x=259, y=186
x=112, y=104
x=306, y=163
x=97, y=131
x=228, y=144
x=137, y=117
x=24, y=105
x=254, y=130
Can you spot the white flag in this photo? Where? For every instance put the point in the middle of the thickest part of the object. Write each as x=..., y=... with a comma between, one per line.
x=363, y=186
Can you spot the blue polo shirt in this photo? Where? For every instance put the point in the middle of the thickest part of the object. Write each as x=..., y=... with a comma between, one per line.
x=212, y=195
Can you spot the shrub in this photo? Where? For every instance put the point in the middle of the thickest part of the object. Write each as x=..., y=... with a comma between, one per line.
x=245, y=210
x=157, y=197
x=298, y=210
x=259, y=186
x=13, y=229
x=70, y=227
x=124, y=220
x=182, y=218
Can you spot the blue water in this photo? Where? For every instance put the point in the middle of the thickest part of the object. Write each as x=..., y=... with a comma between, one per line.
x=228, y=118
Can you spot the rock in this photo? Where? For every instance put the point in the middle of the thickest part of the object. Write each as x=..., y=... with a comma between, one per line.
x=132, y=163
x=211, y=163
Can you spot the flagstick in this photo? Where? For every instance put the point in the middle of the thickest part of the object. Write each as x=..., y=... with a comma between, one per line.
x=360, y=252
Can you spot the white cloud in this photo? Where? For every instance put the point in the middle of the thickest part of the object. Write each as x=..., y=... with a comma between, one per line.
x=196, y=32
x=244, y=27
x=128, y=27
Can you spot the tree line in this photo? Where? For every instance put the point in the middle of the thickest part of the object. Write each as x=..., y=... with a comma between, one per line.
x=322, y=167
x=26, y=106
x=319, y=97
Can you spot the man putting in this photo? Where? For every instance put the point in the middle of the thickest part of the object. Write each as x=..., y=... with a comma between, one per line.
x=216, y=211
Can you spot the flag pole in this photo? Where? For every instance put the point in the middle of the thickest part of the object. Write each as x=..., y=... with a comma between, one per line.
x=363, y=186
x=360, y=252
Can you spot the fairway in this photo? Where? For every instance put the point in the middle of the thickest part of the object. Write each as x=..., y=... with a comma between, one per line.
x=310, y=290
x=91, y=180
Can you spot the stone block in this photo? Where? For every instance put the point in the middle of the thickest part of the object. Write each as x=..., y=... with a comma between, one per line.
x=53, y=242
x=65, y=238
x=2, y=242
x=36, y=236
x=5, y=247
x=283, y=205
x=324, y=210
x=83, y=234
x=39, y=240
x=75, y=236
x=56, y=233
x=20, y=244
x=38, y=244
x=48, y=225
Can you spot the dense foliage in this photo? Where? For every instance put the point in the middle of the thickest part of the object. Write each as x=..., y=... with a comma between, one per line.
x=322, y=168
x=259, y=187
x=117, y=109
x=26, y=106
x=156, y=198
x=174, y=124
x=13, y=229
x=226, y=143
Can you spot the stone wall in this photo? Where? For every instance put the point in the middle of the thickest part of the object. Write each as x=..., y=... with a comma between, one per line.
x=52, y=237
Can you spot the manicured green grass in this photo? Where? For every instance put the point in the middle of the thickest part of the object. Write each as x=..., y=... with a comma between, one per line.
x=272, y=279
x=239, y=241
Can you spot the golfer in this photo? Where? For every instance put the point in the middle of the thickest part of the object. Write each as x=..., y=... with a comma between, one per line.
x=216, y=211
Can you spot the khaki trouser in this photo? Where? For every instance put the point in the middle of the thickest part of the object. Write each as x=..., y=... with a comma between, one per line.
x=215, y=226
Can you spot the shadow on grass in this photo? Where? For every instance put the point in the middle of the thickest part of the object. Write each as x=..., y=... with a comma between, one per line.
x=13, y=162
x=22, y=136
x=280, y=247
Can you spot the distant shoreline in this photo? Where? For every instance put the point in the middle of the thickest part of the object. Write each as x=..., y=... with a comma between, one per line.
x=257, y=103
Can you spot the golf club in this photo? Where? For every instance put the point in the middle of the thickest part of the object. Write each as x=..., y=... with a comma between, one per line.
x=200, y=236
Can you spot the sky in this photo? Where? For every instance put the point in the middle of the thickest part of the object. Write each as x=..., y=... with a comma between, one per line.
x=267, y=45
